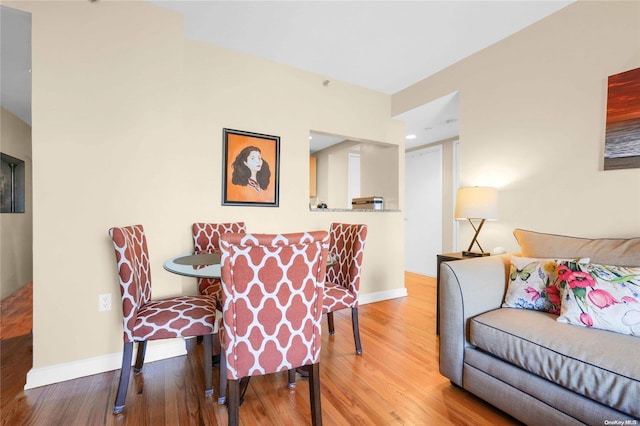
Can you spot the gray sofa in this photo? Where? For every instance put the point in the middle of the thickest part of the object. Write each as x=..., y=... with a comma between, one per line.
x=524, y=362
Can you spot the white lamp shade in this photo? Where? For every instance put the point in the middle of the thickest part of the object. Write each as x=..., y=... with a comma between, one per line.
x=477, y=202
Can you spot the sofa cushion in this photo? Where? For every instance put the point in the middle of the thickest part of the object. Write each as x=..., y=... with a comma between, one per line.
x=608, y=251
x=601, y=296
x=597, y=364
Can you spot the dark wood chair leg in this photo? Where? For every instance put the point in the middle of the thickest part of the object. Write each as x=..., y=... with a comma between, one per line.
x=332, y=330
x=208, y=364
x=356, y=330
x=233, y=408
x=314, y=394
x=292, y=379
x=142, y=351
x=222, y=390
x=125, y=372
x=244, y=385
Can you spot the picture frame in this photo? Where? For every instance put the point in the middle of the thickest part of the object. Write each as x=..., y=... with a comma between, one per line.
x=622, y=133
x=250, y=169
x=12, y=184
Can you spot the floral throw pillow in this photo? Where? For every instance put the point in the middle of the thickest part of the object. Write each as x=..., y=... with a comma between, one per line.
x=600, y=296
x=533, y=284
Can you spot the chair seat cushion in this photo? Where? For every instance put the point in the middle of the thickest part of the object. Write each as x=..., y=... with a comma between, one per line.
x=337, y=297
x=183, y=316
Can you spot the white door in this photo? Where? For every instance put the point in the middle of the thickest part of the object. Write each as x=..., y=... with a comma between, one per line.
x=423, y=210
x=354, y=178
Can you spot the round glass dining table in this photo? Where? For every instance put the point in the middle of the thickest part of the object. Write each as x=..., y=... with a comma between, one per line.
x=200, y=265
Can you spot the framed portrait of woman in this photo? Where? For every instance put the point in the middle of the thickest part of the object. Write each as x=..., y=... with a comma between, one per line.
x=250, y=169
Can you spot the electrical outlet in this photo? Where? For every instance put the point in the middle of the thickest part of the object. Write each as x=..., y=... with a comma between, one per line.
x=104, y=302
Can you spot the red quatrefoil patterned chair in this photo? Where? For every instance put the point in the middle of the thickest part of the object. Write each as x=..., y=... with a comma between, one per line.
x=342, y=284
x=272, y=309
x=145, y=319
x=206, y=239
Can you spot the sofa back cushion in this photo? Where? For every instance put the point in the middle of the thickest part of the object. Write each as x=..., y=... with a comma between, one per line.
x=608, y=251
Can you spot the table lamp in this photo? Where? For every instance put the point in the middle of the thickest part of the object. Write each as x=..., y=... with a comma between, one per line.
x=476, y=203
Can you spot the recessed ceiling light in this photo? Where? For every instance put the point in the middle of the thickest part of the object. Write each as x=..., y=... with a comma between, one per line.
x=411, y=136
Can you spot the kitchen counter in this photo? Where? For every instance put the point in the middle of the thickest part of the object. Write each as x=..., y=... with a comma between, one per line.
x=315, y=209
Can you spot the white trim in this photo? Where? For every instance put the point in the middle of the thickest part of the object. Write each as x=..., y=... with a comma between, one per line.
x=382, y=295
x=156, y=351
x=456, y=183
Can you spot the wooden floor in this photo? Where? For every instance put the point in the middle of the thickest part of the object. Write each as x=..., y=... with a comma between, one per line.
x=394, y=382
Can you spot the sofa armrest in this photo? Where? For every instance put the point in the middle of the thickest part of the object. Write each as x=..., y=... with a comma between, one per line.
x=467, y=288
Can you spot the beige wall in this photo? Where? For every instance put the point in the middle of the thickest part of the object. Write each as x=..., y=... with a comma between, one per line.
x=379, y=174
x=15, y=228
x=333, y=174
x=532, y=123
x=127, y=128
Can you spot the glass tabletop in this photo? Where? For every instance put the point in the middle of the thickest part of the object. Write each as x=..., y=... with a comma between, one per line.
x=201, y=265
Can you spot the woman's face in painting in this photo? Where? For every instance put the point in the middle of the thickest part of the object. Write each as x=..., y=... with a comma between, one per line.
x=254, y=161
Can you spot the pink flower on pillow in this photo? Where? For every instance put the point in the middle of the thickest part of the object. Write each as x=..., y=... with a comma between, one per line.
x=629, y=299
x=586, y=319
x=602, y=299
x=564, y=272
x=532, y=292
x=580, y=279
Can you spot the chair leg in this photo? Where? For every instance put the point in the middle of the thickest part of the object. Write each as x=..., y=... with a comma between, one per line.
x=233, y=408
x=216, y=349
x=223, y=378
x=125, y=372
x=244, y=385
x=332, y=330
x=292, y=378
x=356, y=330
x=314, y=394
x=142, y=351
x=208, y=364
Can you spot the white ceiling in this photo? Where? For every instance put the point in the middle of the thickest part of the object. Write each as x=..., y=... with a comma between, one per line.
x=382, y=45
x=15, y=62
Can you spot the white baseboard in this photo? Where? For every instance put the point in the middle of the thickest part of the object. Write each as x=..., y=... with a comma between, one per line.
x=156, y=351
x=383, y=295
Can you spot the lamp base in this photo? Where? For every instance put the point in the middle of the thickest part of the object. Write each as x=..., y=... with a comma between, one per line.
x=474, y=254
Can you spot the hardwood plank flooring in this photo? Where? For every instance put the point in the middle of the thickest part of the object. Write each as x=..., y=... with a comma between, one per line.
x=395, y=381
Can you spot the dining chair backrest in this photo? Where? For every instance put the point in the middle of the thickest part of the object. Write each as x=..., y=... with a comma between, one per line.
x=206, y=236
x=206, y=239
x=347, y=248
x=132, y=257
x=272, y=301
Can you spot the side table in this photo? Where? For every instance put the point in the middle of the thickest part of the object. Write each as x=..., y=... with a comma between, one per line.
x=444, y=257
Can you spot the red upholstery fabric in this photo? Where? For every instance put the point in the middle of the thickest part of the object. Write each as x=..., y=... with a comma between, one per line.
x=343, y=279
x=272, y=301
x=206, y=239
x=144, y=319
